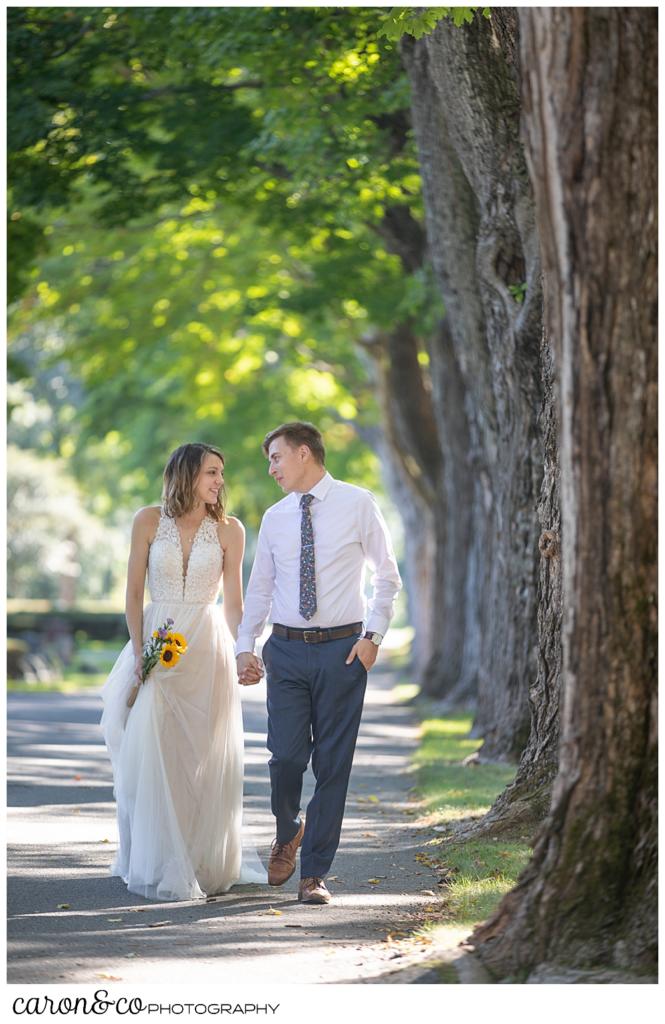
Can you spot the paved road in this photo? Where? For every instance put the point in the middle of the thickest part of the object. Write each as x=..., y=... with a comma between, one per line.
x=61, y=841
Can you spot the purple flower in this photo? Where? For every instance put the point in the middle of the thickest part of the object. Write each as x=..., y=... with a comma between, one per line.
x=162, y=633
x=169, y=622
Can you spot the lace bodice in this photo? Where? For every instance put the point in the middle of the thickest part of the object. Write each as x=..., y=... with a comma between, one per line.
x=166, y=579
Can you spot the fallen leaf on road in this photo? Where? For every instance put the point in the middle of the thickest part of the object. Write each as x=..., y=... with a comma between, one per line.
x=159, y=924
x=374, y=881
x=373, y=799
x=368, y=835
x=108, y=977
x=63, y=906
x=332, y=878
x=77, y=778
x=427, y=892
x=271, y=910
x=105, y=840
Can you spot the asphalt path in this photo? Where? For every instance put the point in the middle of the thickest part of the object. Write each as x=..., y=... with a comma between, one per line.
x=70, y=921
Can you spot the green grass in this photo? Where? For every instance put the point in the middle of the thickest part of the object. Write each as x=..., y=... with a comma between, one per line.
x=450, y=789
x=478, y=872
x=482, y=871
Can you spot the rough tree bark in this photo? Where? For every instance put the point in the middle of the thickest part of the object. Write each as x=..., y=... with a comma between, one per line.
x=523, y=805
x=482, y=235
x=588, y=898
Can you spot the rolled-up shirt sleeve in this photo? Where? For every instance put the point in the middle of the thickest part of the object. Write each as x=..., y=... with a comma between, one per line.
x=258, y=599
x=386, y=580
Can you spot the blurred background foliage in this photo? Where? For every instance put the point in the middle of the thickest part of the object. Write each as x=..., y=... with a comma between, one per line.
x=202, y=224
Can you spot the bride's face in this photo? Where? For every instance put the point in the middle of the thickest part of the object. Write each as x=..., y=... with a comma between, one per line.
x=210, y=479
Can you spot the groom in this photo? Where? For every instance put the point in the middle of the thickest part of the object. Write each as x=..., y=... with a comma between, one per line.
x=309, y=568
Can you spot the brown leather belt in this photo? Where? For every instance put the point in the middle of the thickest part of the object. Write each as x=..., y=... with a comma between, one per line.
x=318, y=635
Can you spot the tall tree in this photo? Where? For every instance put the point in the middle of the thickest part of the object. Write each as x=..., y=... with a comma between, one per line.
x=588, y=897
x=482, y=234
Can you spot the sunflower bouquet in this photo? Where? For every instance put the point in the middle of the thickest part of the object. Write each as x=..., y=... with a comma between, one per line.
x=165, y=647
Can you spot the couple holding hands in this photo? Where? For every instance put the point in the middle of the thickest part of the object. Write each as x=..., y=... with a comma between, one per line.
x=178, y=752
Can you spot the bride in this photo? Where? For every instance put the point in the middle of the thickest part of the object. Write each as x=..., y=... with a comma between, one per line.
x=177, y=753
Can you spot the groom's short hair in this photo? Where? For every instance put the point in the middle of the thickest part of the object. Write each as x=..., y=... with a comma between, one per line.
x=297, y=433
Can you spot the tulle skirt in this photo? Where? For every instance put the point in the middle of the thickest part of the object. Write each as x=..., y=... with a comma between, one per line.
x=177, y=758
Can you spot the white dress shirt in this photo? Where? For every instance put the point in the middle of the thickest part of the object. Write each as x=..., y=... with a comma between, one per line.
x=349, y=531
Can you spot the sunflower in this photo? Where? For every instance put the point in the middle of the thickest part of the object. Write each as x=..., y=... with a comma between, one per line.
x=178, y=641
x=169, y=656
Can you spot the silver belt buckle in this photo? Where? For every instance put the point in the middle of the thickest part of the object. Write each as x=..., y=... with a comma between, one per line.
x=310, y=636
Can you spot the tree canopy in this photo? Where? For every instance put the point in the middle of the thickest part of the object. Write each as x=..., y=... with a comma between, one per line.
x=210, y=214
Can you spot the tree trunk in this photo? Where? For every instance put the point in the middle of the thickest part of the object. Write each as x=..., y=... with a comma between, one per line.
x=454, y=654
x=481, y=230
x=418, y=525
x=412, y=453
x=427, y=450
x=525, y=802
x=588, y=898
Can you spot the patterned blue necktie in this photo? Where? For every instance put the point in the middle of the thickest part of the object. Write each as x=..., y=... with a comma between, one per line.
x=307, y=567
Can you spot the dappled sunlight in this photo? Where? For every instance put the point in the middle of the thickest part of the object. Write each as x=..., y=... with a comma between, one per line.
x=63, y=837
x=240, y=937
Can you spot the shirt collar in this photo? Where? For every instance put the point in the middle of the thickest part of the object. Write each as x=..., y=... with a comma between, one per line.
x=320, y=490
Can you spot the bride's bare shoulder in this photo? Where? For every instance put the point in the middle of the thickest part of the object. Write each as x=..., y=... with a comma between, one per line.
x=146, y=520
x=148, y=514
x=231, y=532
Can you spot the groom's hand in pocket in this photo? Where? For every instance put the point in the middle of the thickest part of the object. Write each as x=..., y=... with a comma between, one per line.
x=365, y=651
x=250, y=669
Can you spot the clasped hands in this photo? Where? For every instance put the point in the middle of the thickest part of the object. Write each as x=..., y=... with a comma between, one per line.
x=251, y=668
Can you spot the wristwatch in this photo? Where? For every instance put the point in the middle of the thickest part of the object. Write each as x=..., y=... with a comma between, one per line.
x=376, y=638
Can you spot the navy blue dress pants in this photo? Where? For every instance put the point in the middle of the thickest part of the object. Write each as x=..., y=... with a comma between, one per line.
x=315, y=703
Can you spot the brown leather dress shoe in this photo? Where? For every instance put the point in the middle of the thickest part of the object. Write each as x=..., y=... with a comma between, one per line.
x=282, y=862
x=313, y=890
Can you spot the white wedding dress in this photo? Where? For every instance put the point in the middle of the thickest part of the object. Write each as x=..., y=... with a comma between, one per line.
x=178, y=754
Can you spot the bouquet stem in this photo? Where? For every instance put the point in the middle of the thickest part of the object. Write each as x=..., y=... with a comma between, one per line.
x=164, y=646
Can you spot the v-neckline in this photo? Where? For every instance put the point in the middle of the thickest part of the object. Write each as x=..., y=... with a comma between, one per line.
x=185, y=568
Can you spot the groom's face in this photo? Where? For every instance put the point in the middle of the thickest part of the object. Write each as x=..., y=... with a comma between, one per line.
x=286, y=465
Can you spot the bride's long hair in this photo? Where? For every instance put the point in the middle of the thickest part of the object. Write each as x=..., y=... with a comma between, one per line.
x=180, y=474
